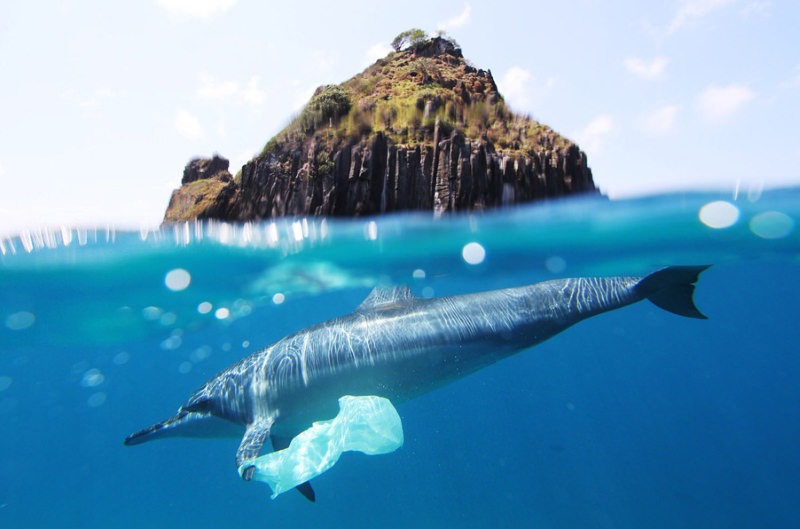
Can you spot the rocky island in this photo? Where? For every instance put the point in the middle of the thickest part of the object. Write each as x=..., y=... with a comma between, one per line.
x=419, y=130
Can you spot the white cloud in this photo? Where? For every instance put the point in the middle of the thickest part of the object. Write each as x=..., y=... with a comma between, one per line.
x=646, y=70
x=717, y=103
x=377, y=51
x=188, y=125
x=661, y=121
x=458, y=20
x=691, y=11
x=592, y=137
x=513, y=86
x=232, y=91
x=196, y=8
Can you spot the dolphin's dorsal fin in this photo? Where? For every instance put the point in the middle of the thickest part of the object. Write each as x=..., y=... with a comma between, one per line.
x=385, y=296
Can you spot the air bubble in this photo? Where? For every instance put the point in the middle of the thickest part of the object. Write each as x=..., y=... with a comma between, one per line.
x=177, y=279
x=92, y=378
x=555, y=264
x=20, y=321
x=96, y=399
x=772, y=225
x=121, y=358
x=473, y=253
x=151, y=313
x=719, y=214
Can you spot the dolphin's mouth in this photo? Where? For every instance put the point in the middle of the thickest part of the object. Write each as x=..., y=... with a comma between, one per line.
x=186, y=424
x=152, y=432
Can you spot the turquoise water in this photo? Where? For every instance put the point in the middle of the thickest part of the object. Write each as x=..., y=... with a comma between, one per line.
x=634, y=419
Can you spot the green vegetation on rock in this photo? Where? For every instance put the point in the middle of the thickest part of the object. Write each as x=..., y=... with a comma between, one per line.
x=425, y=83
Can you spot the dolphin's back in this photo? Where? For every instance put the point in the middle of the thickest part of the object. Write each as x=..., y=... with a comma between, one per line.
x=410, y=346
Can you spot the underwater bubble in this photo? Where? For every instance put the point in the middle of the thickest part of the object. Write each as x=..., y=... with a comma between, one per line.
x=185, y=367
x=92, y=378
x=204, y=307
x=96, y=399
x=200, y=354
x=167, y=319
x=5, y=383
x=242, y=308
x=151, y=313
x=427, y=292
x=719, y=214
x=171, y=343
x=222, y=313
x=772, y=225
x=121, y=358
x=473, y=253
x=20, y=321
x=226, y=347
x=278, y=298
x=177, y=279
x=245, y=344
x=419, y=273
x=555, y=264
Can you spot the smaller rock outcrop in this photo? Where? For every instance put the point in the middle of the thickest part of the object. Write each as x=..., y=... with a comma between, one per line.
x=207, y=191
x=203, y=168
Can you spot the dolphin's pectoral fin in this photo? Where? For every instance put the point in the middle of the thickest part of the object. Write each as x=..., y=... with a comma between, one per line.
x=253, y=441
x=279, y=443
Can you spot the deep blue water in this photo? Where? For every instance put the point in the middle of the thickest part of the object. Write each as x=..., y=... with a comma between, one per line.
x=635, y=419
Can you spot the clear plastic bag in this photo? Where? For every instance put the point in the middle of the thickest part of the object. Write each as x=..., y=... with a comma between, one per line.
x=365, y=424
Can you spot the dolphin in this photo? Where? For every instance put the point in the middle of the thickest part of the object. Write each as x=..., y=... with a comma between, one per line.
x=399, y=346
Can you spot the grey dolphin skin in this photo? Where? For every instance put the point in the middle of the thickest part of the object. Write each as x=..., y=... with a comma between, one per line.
x=399, y=346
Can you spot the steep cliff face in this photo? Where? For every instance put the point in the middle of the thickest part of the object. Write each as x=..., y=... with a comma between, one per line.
x=419, y=130
x=376, y=176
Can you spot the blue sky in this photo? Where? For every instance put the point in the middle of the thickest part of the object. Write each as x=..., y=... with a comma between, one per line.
x=103, y=103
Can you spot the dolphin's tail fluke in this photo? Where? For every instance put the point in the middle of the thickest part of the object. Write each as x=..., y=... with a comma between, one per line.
x=672, y=289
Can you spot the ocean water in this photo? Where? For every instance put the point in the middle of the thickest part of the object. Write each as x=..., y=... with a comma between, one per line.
x=634, y=419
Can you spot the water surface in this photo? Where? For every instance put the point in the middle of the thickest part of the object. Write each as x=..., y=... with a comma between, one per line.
x=634, y=419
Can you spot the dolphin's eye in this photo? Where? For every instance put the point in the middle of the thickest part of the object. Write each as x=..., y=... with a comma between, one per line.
x=199, y=404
